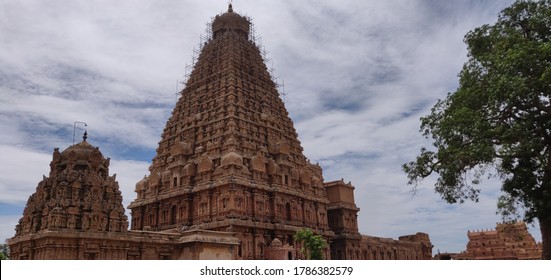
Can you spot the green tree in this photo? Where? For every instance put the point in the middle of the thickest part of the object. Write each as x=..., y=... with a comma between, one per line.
x=4, y=252
x=498, y=121
x=312, y=245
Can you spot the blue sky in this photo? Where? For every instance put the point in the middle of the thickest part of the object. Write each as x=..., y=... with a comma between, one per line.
x=358, y=76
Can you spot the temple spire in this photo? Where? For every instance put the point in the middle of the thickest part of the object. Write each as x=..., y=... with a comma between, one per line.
x=230, y=8
x=85, y=136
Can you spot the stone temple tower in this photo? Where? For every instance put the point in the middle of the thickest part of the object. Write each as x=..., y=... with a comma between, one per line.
x=229, y=181
x=76, y=203
x=78, y=194
x=229, y=158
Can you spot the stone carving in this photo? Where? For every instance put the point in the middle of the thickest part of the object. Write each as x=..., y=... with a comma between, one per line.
x=205, y=165
x=58, y=203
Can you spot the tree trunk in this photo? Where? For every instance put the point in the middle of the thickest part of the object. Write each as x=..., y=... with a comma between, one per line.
x=545, y=227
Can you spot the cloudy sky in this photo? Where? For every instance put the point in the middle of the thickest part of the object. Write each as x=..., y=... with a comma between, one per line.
x=358, y=76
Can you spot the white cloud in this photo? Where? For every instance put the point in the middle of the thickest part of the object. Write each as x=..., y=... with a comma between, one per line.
x=128, y=172
x=21, y=171
x=7, y=226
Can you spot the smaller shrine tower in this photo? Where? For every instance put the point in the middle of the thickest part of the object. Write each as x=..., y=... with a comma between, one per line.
x=78, y=195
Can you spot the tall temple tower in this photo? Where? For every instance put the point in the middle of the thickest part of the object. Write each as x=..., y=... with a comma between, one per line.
x=229, y=181
x=229, y=158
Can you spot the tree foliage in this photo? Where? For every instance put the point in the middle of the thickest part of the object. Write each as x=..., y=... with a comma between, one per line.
x=4, y=252
x=312, y=245
x=498, y=121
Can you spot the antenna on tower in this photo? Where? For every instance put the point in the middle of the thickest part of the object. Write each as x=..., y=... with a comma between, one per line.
x=75, y=128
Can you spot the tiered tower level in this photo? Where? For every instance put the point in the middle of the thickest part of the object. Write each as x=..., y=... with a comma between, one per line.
x=229, y=158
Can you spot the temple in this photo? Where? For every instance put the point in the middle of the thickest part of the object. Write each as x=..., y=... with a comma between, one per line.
x=229, y=180
x=508, y=241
